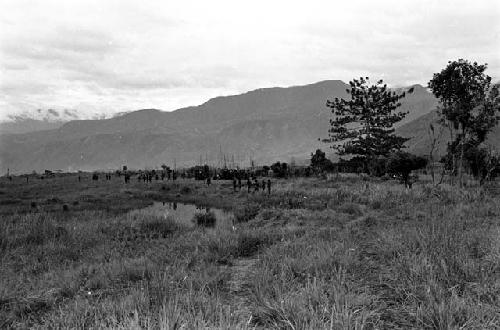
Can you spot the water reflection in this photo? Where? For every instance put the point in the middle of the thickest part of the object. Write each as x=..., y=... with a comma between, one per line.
x=191, y=215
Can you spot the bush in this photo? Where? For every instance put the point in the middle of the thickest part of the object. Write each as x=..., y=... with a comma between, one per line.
x=402, y=164
x=205, y=219
x=482, y=162
x=249, y=244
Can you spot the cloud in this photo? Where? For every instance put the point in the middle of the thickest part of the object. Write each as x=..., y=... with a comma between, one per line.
x=60, y=46
x=13, y=66
x=118, y=55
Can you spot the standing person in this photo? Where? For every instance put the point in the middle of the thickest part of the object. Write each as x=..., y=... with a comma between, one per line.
x=249, y=184
x=79, y=179
x=256, y=183
x=269, y=186
x=234, y=184
x=208, y=181
x=263, y=186
x=239, y=183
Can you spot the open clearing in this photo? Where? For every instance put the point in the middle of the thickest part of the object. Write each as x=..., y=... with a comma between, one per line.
x=343, y=253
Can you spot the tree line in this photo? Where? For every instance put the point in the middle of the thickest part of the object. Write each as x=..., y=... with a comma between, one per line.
x=362, y=126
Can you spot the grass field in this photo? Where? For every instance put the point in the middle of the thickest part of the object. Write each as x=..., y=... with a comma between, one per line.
x=342, y=253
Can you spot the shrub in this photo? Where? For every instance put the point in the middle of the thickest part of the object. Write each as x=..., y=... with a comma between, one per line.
x=402, y=164
x=249, y=245
x=205, y=219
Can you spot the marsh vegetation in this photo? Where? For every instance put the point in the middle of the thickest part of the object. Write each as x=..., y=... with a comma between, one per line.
x=348, y=252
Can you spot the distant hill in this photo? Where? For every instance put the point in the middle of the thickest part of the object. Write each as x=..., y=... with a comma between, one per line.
x=26, y=125
x=263, y=125
x=420, y=140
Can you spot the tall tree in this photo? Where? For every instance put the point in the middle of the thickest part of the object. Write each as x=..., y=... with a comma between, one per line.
x=469, y=103
x=363, y=125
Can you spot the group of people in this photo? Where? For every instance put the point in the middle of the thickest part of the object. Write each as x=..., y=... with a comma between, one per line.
x=237, y=184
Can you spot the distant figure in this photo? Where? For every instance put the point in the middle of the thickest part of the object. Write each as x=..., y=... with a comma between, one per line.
x=249, y=184
x=79, y=179
x=256, y=184
x=234, y=184
x=27, y=179
x=208, y=181
x=269, y=186
x=263, y=186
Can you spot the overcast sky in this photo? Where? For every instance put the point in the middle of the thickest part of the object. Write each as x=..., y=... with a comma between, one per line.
x=112, y=56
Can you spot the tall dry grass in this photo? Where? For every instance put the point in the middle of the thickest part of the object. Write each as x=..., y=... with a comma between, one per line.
x=343, y=253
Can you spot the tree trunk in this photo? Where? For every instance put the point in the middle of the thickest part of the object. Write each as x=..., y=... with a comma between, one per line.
x=461, y=159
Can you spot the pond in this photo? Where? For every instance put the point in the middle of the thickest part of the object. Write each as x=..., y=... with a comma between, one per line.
x=192, y=215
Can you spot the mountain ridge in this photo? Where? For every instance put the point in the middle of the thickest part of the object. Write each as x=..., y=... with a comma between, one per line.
x=263, y=125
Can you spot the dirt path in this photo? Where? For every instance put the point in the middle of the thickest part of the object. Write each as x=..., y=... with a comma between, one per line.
x=238, y=287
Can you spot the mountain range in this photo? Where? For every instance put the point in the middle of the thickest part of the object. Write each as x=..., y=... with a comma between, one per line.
x=263, y=126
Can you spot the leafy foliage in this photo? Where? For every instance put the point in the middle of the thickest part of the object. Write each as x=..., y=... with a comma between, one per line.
x=363, y=125
x=280, y=170
x=319, y=162
x=469, y=103
x=403, y=163
x=482, y=162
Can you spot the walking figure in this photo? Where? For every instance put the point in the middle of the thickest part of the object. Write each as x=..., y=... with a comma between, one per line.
x=249, y=184
x=239, y=183
x=269, y=186
x=234, y=184
x=256, y=183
